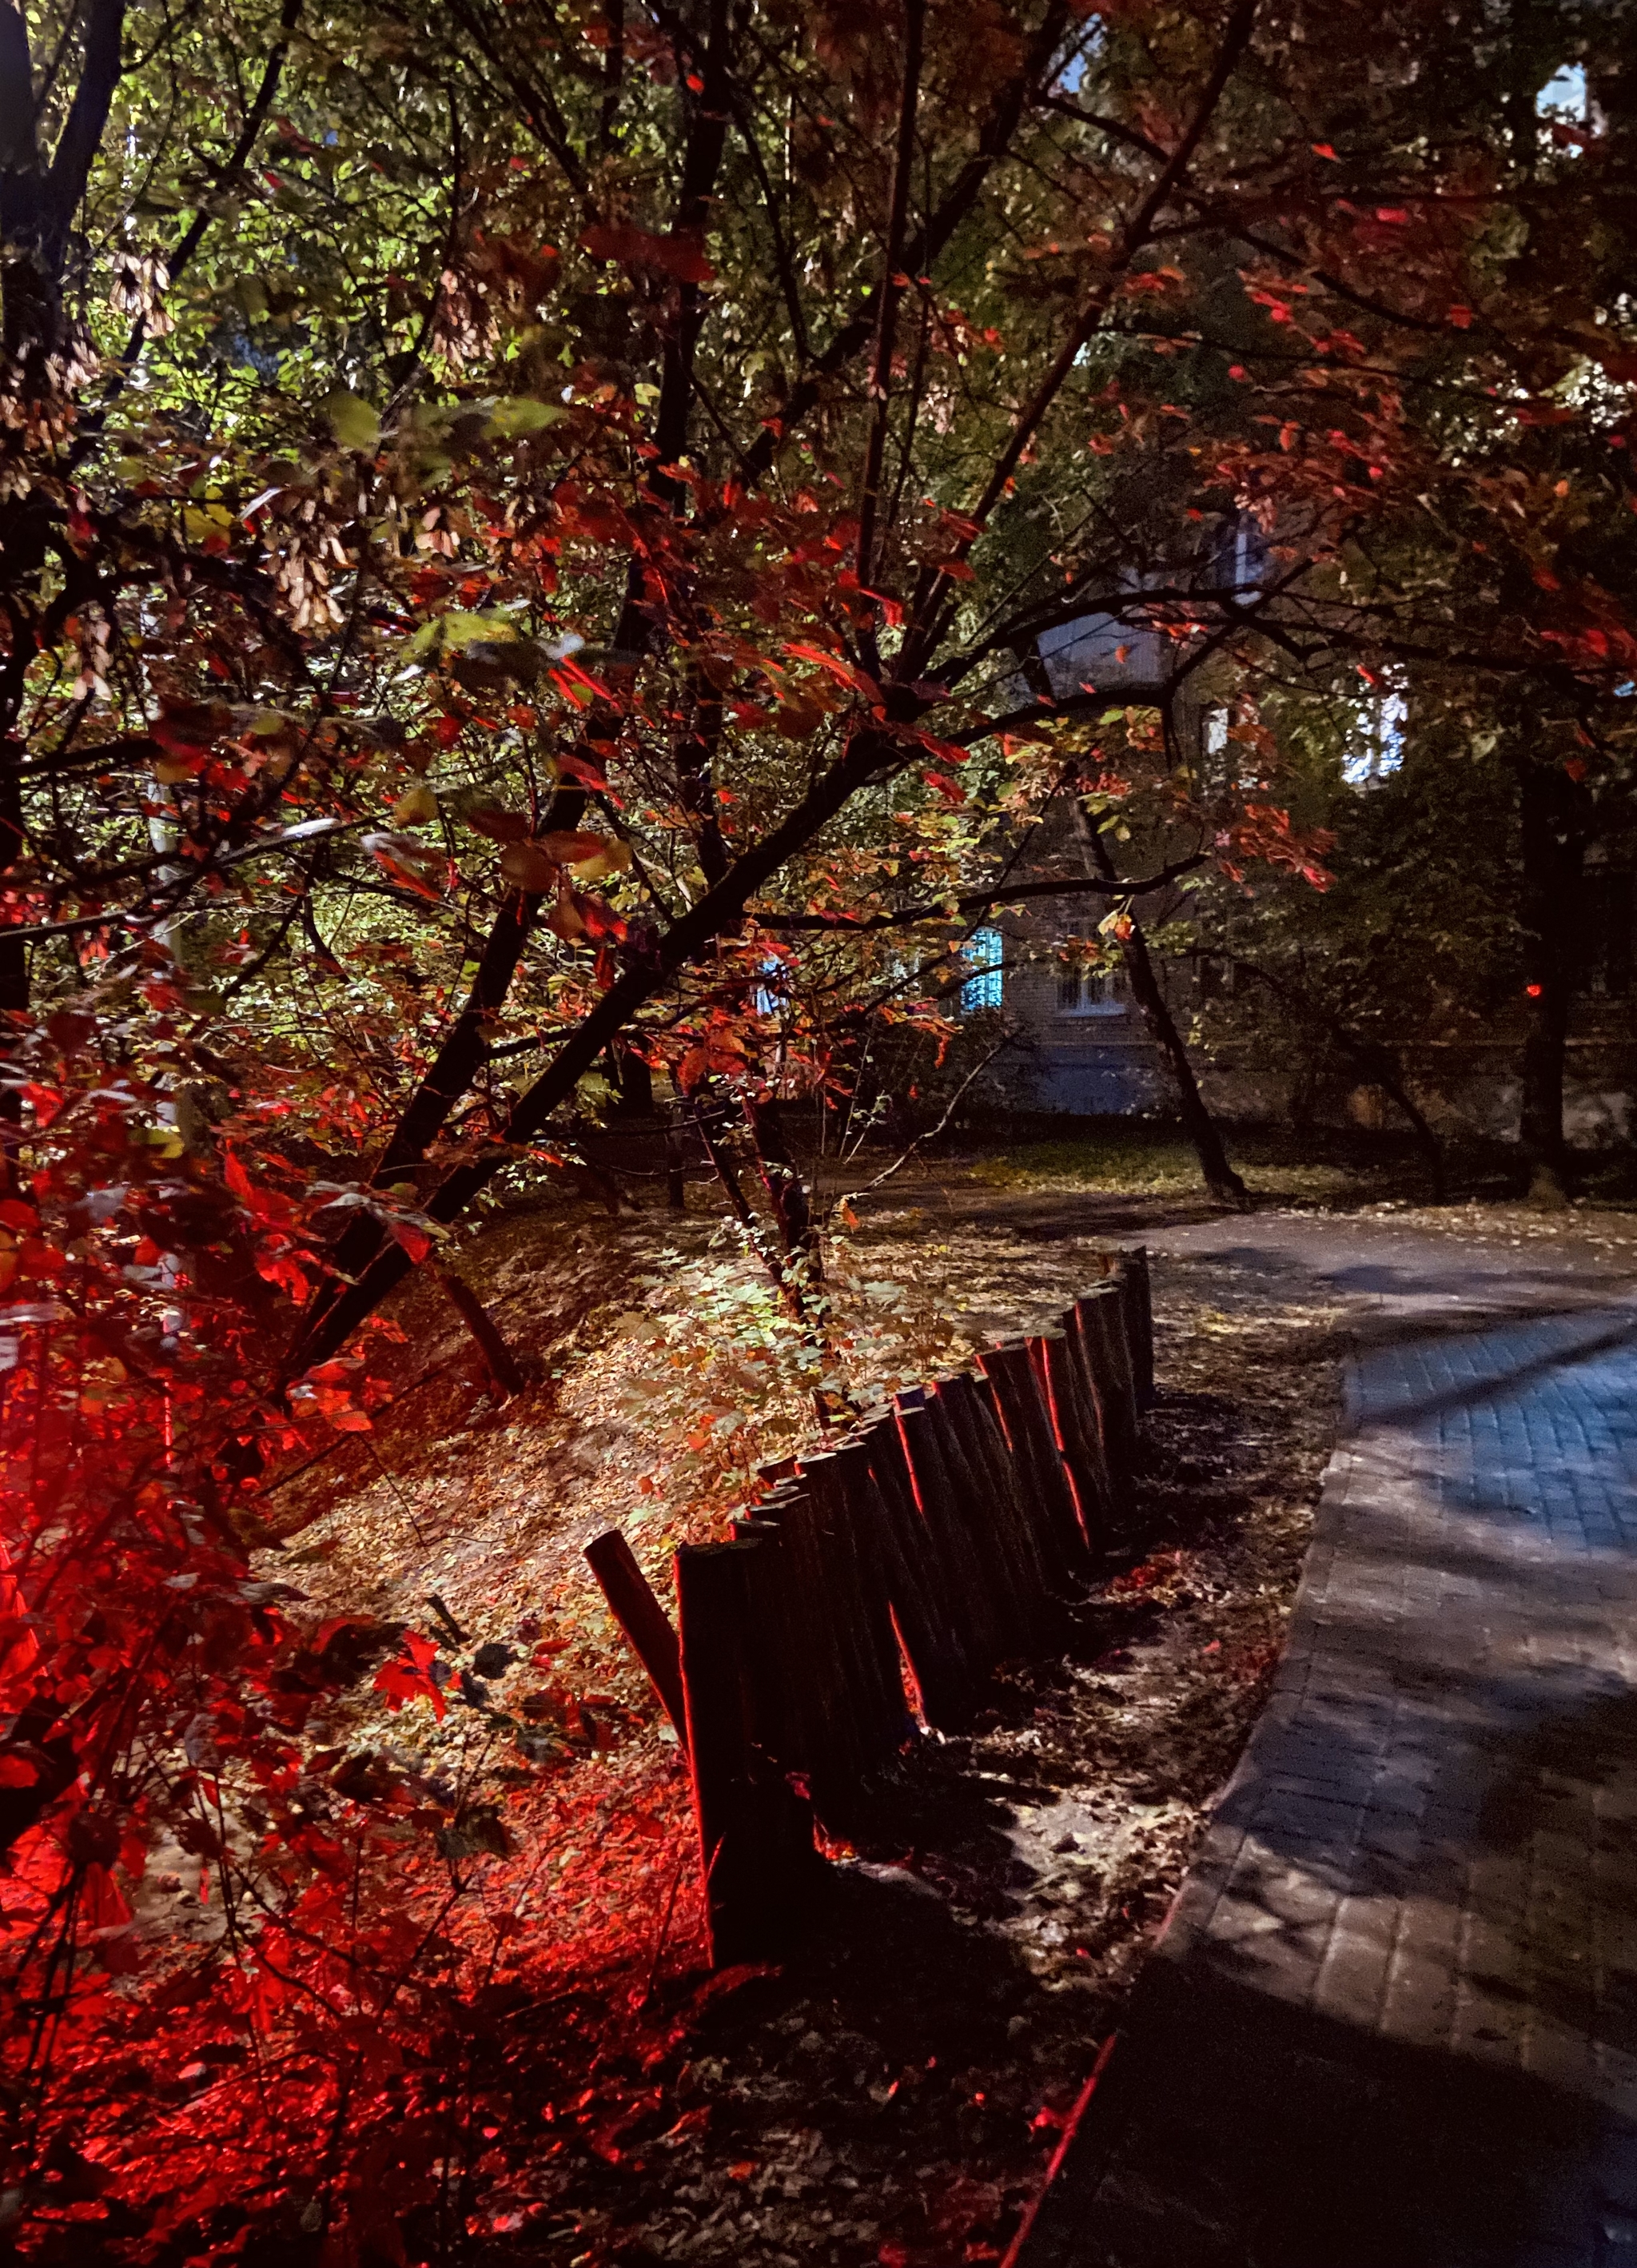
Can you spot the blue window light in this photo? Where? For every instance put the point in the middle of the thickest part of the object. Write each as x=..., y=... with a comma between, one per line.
x=983, y=952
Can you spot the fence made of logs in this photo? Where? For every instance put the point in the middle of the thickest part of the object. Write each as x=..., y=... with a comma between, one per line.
x=878, y=1585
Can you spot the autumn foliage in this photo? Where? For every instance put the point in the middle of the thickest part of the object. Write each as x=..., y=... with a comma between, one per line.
x=524, y=544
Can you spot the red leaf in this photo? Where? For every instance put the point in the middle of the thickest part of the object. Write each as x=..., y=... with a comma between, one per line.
x=415, y=1241
x=682, y=255
x=837, y=667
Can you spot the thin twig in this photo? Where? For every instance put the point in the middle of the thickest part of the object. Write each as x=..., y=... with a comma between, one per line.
x=846, y=1196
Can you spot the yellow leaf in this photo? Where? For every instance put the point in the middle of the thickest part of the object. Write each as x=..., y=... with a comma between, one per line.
x=354, y=424
x=416, y=806
x=614, y=858
x=513, y=418
x=526, y=866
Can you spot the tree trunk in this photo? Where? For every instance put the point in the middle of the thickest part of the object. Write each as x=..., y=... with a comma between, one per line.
x=676, y=1160
x=1553, y=848
x=633, y=1081
x=1200, y=1128
x=1372, y=1057
x=787, y=1192
x=500, y=1361
x=1390, y=1079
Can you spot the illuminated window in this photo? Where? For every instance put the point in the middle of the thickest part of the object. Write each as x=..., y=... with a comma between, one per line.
x=1565, y=97
x=983, y=952
x=1375, y=744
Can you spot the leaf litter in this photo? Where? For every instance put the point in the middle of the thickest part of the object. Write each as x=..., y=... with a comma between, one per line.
x=892, y=2092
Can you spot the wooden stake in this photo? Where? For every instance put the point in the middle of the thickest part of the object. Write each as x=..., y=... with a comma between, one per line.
x=632, y=1603
x=1020, y=1397
x=1143, y=1319
x=1004, y=1596
x=917, y=1588
x=1076, y=1421
x=1129, y=1269
x=962, y=1574
x=999, y=1509
x=1097, y=1322
x=755, y=1833
x=850, y=1516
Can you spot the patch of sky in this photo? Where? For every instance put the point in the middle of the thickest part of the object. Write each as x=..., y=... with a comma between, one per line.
x=1564, y=96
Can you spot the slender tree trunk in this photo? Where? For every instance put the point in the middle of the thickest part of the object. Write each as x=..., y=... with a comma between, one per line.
x=502, y=1364
x=39, y=198
x=1200, y=1128
x=14, y=978
x=1391, y=1081
x=1553, y=849
x=1375, y=1061
x=787, y=1191
x=676, y=1160
x=633, y=1081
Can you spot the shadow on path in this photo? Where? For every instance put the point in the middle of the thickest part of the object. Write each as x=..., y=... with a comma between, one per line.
x=1393, y=2021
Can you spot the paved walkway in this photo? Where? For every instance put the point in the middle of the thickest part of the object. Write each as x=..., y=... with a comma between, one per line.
x=1393, y=2022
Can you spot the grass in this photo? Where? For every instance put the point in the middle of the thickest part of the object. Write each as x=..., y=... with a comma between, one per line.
x=1134, y=1161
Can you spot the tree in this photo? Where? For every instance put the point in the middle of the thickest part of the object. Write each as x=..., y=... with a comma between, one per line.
x=514, y=520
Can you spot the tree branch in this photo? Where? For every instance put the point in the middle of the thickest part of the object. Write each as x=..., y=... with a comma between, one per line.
x=978, y=901
x=81, y=137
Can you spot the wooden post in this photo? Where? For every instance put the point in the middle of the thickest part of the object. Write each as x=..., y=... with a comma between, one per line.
x=755, y=1833
x=1079, y=1433
x=1143, y=1319
x=632, y=1603
x=850, y=1513
x=500, y=1361
x=962, y=1573
x=1097, y=1320
x=971, y=1505
x=918, y=1586
x=676, y=1160
x=998, y=1509
x=1129, y=1269
x=1034, y=1553
x=820, y=1736
x=1026, y=1414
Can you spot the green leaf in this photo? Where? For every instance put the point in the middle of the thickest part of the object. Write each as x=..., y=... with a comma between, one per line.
x=354, y=424
x=513, y=419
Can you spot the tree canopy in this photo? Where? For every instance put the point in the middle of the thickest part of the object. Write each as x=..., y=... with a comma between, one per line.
x=526, y=531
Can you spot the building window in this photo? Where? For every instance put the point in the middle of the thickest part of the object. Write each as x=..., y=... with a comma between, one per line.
x=768, y=999
x=983, y=952
x=1083, y=991
x=1375, y=742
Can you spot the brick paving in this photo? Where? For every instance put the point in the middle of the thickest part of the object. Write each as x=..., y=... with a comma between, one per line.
x=1393, y=2021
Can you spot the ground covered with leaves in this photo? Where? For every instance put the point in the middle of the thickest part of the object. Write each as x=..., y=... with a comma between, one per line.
x=892, y=2094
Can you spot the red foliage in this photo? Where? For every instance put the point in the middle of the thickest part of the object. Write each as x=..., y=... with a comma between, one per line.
x=297, y=2055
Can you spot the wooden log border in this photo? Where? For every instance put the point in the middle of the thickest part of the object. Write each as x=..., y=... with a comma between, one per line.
x=883, y=1578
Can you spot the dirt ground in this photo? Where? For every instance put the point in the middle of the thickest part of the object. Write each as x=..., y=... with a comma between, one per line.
x=892, y=2094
